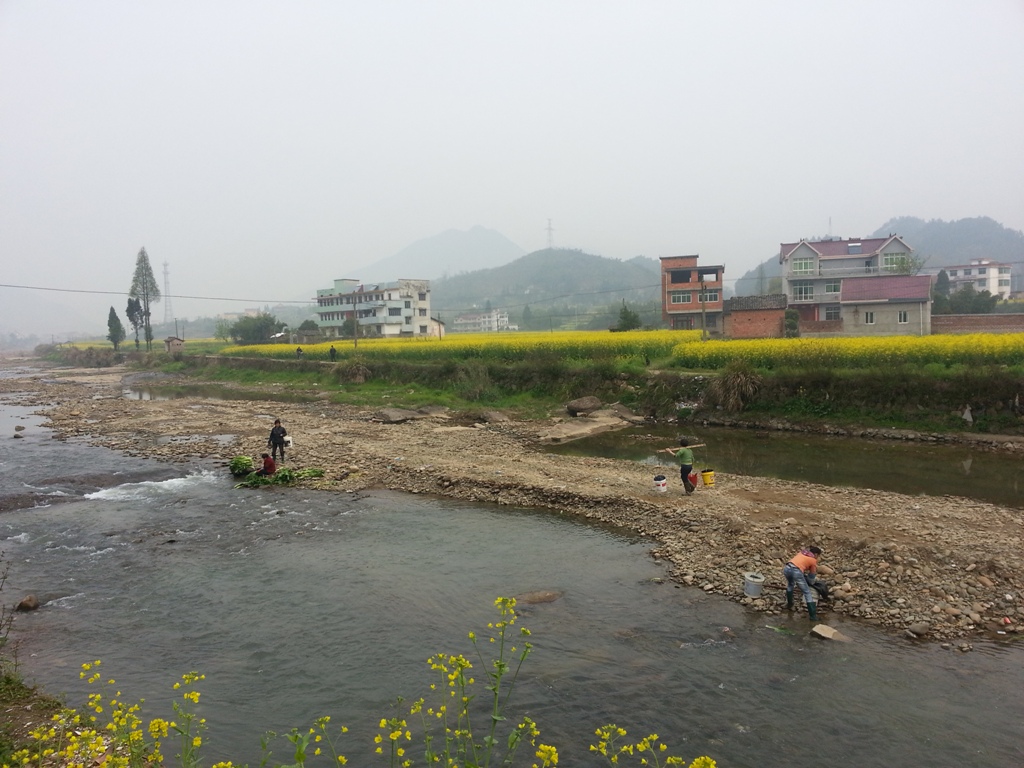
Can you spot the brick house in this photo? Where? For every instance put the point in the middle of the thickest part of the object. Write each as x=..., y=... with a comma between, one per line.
x=755, y=317
x=691, y=296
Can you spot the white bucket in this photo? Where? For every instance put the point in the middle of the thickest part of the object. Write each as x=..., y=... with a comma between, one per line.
x=752, y=583
x=660, y=483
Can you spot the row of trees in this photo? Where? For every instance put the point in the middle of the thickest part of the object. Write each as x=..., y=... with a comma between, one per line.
x=143, y=294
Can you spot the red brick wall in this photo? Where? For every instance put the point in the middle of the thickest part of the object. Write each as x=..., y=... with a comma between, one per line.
x=755, y=324
x=978, y=323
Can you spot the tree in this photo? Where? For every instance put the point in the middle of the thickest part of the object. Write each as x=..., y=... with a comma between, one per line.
x=527, y=320
x=628, y=319
x=134, y=313
x=256, y=329
x=967, y=301
x=792, y=323
x=308, y=325
x=941, y=286
x=905, y=264
x=145, y=289
x=115, y=331
x=222, y=329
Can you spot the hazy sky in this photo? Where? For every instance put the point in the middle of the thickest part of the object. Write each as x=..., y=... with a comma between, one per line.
x=265, y=148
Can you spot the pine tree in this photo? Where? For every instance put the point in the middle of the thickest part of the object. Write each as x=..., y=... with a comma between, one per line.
x=115, y=330
x=145, y=289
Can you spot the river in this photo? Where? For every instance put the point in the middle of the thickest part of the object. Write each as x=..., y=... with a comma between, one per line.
x=296, y=603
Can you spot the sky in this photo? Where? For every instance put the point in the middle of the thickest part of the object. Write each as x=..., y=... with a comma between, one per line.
x=263, y=149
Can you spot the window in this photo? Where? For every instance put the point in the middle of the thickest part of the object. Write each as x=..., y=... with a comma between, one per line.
x=832, y=286
x=982, y=270
x=680, y=297
x=394, y=311
x=903, y=316
x=853, y=248
x=679, y=276
x=422, y=312
x=803, y=266
x=423, y=329
x=952, y=273
x=803, y=291
x=408, y=321
x=831, y=313
x=708, y=296
x=892, y=261
x=869, y=318
x=408, y=305
x=980, y=283
x=1004, y=283
x=1004, y=270
x=422, y=296
x=712, y=322
x=967, y=273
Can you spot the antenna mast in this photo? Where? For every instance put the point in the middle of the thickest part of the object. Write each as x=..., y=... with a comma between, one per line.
x=551, y=236
x=168, y=312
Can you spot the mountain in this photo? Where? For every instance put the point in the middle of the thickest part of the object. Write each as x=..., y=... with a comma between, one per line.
x=448, y=253
x=570, y=277
x=940, y=243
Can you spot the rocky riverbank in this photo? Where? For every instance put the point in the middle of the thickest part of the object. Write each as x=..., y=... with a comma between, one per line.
x=942, y=568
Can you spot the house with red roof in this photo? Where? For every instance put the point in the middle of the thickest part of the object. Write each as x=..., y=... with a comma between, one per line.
x=887, y=305
x=816, y=273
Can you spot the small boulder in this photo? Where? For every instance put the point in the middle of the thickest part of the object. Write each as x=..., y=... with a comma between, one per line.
x=19, y=428
x=28, y=603
x=583, y=405
x=540, y=596
x=920, y=628
x=826, y=632
x=397, y=415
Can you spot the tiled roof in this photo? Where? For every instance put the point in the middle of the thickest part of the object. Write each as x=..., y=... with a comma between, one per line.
x=891, y=288
x=747, y=303
x=833, y=249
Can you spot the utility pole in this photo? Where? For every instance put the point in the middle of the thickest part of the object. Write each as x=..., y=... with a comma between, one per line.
x=168, y=312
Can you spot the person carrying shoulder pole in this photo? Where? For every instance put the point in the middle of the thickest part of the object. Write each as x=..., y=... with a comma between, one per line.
x=801, y=571
x=684, y=455
x=276, y=440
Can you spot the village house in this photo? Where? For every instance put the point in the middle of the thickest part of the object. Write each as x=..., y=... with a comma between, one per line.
x=482, y=322
x=691, y=295
x=400, y=308
x=894, y=305
x=982, y=275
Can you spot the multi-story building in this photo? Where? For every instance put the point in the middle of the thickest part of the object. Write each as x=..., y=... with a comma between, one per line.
x=481, y=322
x=982, y=275
x=691, y=296
x=401, y=308
x=813, y=270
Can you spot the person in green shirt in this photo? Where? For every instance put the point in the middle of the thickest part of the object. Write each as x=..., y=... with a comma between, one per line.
x=684, y=455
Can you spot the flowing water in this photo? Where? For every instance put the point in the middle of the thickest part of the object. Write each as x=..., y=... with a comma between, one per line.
x=934, y=469
x=298, y=603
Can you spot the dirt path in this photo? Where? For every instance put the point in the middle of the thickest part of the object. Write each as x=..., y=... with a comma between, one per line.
x=948, y=567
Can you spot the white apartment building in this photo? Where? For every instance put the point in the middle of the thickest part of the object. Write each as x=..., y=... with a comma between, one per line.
x=983, y=274
x=400, y=308
x=482, y=322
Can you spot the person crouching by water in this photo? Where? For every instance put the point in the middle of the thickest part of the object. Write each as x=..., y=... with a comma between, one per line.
x=268, y=468
x=276, y=440
x=684, y=455
x=801, y=571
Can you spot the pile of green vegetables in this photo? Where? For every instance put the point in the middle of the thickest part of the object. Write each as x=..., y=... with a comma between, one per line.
x=243, y=466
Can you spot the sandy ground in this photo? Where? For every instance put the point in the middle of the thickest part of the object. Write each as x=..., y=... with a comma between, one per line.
x=943, y=567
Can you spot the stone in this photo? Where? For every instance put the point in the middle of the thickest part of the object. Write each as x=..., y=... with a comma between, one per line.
x=18, y=434
x=539, y=596
x=397, y=415
x=582, y=405
x=826, y=632
x=19, y=428
x=28, y=603
x=919, y=628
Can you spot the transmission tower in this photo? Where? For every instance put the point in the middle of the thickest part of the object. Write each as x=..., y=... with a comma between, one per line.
x=551, y=236
x=168, y=312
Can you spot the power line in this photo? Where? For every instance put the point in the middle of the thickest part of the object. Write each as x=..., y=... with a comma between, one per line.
x=175, y=296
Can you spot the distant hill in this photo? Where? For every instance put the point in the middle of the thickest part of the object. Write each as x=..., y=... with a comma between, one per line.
x=449, y=253
x=570, y=277
x=940, y=243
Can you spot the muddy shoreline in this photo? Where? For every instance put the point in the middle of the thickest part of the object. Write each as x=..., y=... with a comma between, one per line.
x=947, y=568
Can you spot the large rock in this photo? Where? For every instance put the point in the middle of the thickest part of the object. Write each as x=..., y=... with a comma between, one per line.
x=919, y=628
x=28, y=603
x=582, y=405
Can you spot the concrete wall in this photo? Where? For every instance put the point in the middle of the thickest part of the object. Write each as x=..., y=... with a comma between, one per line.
x=755, y=324
x=978, y=323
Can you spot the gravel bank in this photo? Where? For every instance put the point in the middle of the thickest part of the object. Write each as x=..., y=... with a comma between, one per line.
x=941, y=568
